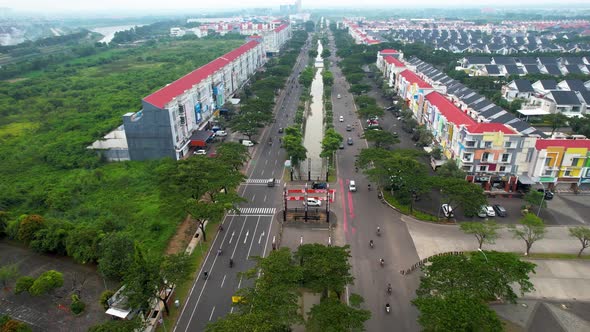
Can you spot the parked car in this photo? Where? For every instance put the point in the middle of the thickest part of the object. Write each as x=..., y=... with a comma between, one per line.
x=548, y=194
x=221, y=133
x=490, y=211
x=500, y=210
x=200, y=152
x=348, y=128
x=313, y=202
x=319, y=185
x=391, y=108
x=341, y=118
x=482, y=213
x=341, y=146
x=447, y=211
x=349, y=141
x=216, y=128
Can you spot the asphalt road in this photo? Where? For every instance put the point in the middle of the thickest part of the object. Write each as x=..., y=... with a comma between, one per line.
x=359, y=214
x=251, y=232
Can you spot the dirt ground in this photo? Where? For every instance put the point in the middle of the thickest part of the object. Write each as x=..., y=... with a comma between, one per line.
x=182, y=237
x=51, y=312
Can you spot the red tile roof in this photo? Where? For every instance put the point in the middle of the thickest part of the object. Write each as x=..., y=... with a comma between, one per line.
x=490, y=127
x=413, y=78
x=394, y=61
x=389, y=51
x=448, y=109
x=280, y=28
x=566, y=143
x=163, y=96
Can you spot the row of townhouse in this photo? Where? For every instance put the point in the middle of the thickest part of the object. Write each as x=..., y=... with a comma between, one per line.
x=359, y=34
x=498, y=151
x=507, y=66
x=173, y=116
x=568, y=97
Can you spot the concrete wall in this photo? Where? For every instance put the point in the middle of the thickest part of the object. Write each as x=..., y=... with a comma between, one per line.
x=148, y=134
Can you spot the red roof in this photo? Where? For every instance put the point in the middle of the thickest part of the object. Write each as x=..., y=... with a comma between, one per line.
x=280, y=28
x=394, y=61
x=389, y=51
x=566, y=143
x=413, y=78
x=448, y=109
x=490, y=127
x=163, y=96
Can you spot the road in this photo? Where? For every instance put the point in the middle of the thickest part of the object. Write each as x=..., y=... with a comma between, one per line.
x=251, y=232
x=359, y=215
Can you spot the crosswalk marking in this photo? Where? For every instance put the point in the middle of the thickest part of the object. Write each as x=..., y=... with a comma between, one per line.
x=261, y=181
x=256, y=211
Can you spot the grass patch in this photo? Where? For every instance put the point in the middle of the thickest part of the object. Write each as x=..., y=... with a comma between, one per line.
x=182, y=290
x=405, y=209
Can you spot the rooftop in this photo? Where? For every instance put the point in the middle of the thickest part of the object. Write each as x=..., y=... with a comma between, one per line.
x=448, y=109
x=413, y=78
x=394, y=61
x=566, y=143
x=483, y=127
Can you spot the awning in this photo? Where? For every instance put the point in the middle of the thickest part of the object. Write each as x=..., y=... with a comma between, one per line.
x=525, y=179
x=120, y=313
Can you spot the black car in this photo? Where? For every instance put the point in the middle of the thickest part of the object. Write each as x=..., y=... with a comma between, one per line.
x=280, y=130
x=548, y=194
x=500, y=210
x=349, y=141
x=319, y=185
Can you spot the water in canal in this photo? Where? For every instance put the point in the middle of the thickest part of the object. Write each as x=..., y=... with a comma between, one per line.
x=314, y=125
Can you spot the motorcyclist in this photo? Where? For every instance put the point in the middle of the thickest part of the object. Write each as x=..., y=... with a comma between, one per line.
x=371, y=243
x=382, y=262
x=219, y=252
x=231, y=262
x=378, y=230
x=205, y=275
x=369, y=187
x=387, y=307
x=389, y=289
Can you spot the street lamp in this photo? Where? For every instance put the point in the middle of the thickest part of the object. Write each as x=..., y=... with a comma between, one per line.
x=484, y=254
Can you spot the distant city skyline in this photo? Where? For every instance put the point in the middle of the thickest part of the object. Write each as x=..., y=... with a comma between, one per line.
x=172, y=5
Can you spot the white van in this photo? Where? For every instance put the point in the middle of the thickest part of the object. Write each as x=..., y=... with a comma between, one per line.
x=351, y=186
x=247, y=143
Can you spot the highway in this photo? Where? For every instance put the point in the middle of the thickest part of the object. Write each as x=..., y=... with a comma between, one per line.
x=250, y=233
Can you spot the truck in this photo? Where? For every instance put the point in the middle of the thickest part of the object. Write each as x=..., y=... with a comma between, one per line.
x=246, y=142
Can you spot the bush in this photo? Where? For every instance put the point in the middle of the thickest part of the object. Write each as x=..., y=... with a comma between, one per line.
x=13, y=325
x=47, y=282
x=23, y=284
x=104, y=297
x=29, y=225
x=77, y=306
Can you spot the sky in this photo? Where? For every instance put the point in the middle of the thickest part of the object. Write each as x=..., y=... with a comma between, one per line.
x=171, y=5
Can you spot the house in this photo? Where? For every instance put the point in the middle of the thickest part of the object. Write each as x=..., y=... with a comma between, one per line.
x=517, y=89
x=490, y=70
x=512, y=70
x=551, y=69
x=532, y=69
x=564, y=102
x=392, y=68
x=542, y=87
x=572, y=85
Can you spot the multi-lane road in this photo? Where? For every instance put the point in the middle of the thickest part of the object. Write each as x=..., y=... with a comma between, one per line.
x=358, y=215
x=251, y=232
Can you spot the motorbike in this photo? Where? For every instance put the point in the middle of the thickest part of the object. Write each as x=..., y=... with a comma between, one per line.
x=371, y=244
x=387, y=308
x=378, y=231
x=231, y=263
x=382, y=262
x=205, y=275
x=389, y=290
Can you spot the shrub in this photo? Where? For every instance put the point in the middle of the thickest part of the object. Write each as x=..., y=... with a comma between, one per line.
x=104, y=297
x=23, y=284
x=77, y=306
x=47, y=282
x=29, y=225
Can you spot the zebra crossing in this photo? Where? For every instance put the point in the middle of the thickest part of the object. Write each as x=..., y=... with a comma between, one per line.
x=255, y=211
x=261, y=181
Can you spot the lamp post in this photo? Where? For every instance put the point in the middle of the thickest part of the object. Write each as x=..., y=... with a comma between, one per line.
x=484, y=254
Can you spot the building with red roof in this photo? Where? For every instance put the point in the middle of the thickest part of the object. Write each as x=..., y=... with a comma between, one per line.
x=172, y=114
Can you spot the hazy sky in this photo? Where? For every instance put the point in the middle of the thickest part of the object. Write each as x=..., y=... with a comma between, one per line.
x=171, y=5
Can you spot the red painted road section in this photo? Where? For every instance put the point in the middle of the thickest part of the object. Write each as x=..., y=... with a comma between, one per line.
x=345, y=221
x=350, y=206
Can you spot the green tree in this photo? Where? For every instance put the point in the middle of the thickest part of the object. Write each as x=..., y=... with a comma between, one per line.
x=233, y=154
x=486, y=232
x=327, y=77
x=556, y=120
x=531, y=230
x=8, y=273
x=203, y=211
x=326, y=53
x=487, y=278
x=456, y=312
x=4, y=218
x=124, y=325
x=52, y=237
x=581, y=233
x=330, y=143
x=29, y=225
x=47, y=282
x=23, y=284
x=370, y=111
x=458, y=192
x=116, y=255
x=536, y=198
x=104, y=298
x=450, y=170
x=381, y=138
x=333, y=315
x=82, y=243
x=324, y=268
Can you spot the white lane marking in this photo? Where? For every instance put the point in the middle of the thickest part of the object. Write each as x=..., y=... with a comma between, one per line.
x=232, y=236
x=276, y=161
x=253, y=197
x=212, y=311
x=266, y=162
x=265, y=198
x=248, y=232
x=260, y=238
x=262, y=173
x=236, y=247
x=240, y=283
x=255, y=228
x=223, y=281
x=232, y=310
x=266, y=243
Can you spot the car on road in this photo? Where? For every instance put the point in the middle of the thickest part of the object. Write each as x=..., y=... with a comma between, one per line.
x=447, y=211
x=341, y=146
x=352, y=186
x=216, y=128
x=339, y=96
x=319, y=185
x=281, y=130
x=500, y=210
x=349, y=141
x=313, y=202
x=221, y=133
x=200, y=152
x=548, y=194
x=348, y=127
x=341, y=118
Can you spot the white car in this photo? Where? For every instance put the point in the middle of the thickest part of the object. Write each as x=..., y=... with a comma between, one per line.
x=221, y=133
x=200, y=152
x=490, y=211
x=447, y=210
x=339, y=96
x=341, y=118
x=313, y=202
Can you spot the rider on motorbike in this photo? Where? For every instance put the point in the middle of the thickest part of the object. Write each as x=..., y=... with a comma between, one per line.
x=371, y=243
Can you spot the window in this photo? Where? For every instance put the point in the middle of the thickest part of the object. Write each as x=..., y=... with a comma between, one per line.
x=504, y=169
x=485, y=156
x=548, y=172
x=568, y=173
x=548, y=162
x=467, y=157
x=487, y=144
x=505, y=157
x=508, y=145
x=483, y=168
x=575, y=161
x=466, y=168
x=470, y=144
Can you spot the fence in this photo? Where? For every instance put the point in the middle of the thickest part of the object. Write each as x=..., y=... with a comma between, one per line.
x=427, y=259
